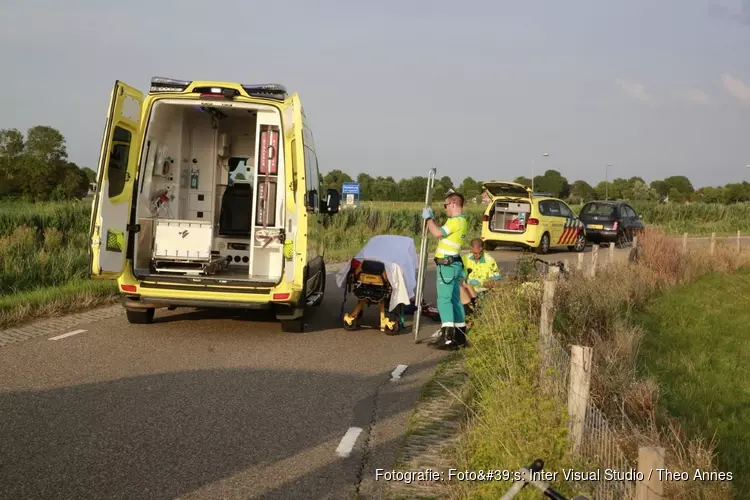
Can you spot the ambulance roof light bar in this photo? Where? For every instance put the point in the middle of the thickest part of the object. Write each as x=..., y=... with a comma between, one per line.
x=268, y=90
x=162, y=84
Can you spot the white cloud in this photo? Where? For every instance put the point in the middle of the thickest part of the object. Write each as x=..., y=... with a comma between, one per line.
x=736, y=87
x=634, y=90
x=696, y=96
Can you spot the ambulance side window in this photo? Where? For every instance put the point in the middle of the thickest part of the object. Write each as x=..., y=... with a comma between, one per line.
x=312, y=179
x=117, y=166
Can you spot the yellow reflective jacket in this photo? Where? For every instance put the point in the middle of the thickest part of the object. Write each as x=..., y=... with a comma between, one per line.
x=482, y=270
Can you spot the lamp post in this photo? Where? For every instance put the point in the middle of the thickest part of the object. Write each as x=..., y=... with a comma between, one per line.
x=606, y=182
x=533, y=160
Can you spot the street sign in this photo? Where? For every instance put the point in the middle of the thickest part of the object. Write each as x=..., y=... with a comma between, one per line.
x=350, y=192
x=350, y=188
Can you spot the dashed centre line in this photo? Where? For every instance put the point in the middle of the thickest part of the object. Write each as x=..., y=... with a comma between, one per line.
x=400, y=369
x=66, y=335
x=347, y=442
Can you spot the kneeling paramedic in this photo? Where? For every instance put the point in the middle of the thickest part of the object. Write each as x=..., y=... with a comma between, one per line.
x=449, y=272
x=479, y=266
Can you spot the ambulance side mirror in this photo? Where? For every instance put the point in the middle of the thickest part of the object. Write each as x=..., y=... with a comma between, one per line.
x=332, y=201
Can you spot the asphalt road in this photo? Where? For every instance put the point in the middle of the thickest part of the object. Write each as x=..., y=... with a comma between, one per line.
x=205, y=405
x=209, y=404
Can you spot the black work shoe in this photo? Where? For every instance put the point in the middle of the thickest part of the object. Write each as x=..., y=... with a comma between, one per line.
x=450, y=340
x=461, y=336
x=438, y=340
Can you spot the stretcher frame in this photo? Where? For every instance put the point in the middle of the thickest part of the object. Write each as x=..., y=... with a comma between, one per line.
x=423, y=256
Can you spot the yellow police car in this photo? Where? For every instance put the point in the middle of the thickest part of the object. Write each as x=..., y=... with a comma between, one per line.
x=517, y=217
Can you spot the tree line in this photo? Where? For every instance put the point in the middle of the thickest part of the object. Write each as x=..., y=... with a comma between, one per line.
x=677, y=188
x=36, y=167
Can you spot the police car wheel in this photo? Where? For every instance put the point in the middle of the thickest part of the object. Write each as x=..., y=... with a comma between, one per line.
x=580, y=244
x=543, y=247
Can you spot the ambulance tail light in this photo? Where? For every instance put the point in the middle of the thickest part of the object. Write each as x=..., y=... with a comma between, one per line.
x=485, y=218
x=533, y=222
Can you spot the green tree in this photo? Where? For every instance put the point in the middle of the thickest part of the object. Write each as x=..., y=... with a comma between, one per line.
x=470, y=188
x=446, y=183
x=37, y=168
x=581, y=191
x=552, y=182
x=335, y=179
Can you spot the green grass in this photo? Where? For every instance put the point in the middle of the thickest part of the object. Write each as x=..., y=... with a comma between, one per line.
x=695, y=344
x=50, y=301
x=44, y=246
x=513, y=421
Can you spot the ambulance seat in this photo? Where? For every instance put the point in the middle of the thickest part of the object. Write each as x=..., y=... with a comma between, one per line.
x=236, y=204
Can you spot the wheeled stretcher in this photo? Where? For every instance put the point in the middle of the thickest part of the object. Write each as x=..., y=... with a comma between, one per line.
x=368, y=282
x=383, y=273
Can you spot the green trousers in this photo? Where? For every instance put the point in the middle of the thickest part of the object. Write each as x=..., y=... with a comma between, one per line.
x=449, y=295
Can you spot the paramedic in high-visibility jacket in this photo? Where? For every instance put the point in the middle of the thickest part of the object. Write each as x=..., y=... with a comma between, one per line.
x=479, y=266
x=452, y=236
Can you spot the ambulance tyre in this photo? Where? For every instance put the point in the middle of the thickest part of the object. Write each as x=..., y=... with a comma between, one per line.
x=292, y=325
x=543, y=247
x=140, y=316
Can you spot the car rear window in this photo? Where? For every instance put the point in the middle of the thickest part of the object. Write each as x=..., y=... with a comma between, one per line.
x=604, y=209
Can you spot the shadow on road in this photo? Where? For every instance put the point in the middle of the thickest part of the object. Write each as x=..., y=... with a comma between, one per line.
x=162, y=436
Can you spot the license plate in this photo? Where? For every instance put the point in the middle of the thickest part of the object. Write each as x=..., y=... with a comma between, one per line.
x=595, y=226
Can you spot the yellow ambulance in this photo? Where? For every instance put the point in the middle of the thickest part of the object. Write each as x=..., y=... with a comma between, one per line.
x=517, y=217
x=209, y=195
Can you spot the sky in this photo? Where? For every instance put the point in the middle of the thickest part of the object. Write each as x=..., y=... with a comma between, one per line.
x=653, y=87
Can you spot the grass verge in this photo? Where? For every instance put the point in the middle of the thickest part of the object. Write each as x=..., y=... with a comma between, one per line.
x=431, y=431
x=512, y=423
x=54, y=301
x=695, y=348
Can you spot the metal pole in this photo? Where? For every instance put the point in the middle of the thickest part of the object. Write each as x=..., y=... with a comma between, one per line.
x=423, y=257
x=533, y=161
x=606, y=181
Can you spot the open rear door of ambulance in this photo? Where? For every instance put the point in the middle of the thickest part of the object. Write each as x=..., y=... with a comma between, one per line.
x=118, y=166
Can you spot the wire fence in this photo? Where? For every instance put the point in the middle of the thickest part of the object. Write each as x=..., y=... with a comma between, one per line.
x=568, y=380
x=598, y=445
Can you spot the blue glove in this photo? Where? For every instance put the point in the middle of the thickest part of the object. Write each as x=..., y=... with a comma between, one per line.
x=427, y=213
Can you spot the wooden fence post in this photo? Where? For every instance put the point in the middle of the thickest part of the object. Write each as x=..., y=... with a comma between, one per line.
x=611, y=256
x=579, y=267
x=546, y=320
x=713, y=243
x=684, y=242
x=652, y=487
x=578, y=391
x=738, y=242
x=594, y=258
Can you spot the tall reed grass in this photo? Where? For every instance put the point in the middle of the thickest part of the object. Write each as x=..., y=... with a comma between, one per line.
x=513, y=424
x=44, y=260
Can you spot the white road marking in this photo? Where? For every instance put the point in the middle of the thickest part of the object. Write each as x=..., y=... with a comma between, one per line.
x=347, y=442
x=396, y=374
x=69, y=334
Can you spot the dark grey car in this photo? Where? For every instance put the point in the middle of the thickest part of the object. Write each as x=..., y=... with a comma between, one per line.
x=608, y=221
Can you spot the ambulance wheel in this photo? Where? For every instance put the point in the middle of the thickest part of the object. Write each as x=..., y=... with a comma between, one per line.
x=543, y=247
x=140, y=316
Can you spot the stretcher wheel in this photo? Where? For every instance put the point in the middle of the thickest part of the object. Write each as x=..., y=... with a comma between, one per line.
x=355, y=324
